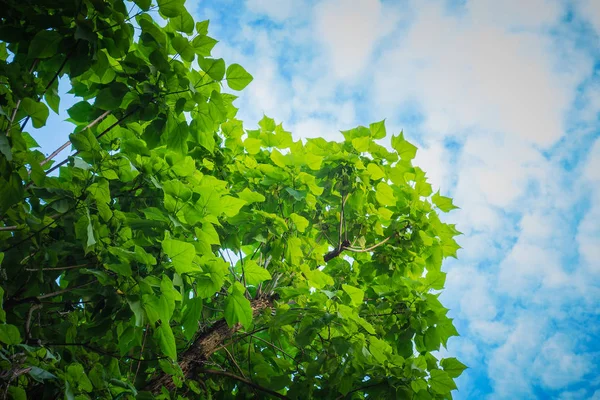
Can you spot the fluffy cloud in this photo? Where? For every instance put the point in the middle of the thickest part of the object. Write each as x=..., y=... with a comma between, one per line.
x=567, y=366
x=451, y=63
x=349, y=32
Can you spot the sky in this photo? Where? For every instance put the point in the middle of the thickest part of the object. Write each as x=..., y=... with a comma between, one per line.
x=502, y=98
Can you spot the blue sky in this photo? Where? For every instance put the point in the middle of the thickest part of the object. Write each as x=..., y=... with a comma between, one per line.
x=503, y=99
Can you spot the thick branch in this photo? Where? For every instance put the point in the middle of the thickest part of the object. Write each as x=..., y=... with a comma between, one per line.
x=205, y=345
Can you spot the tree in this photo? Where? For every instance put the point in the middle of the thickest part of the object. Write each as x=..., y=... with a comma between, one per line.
x=176, y=254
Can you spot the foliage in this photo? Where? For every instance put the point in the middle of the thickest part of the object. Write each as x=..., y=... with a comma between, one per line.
x=175, y=253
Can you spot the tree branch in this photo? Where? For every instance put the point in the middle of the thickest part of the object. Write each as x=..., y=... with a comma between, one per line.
x=355, y=250
x=275, y=347
x=243, y=380
x=64, y=146
x=205, y=345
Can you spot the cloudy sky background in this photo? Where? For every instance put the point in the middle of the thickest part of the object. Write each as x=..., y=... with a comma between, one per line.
x=503, y=100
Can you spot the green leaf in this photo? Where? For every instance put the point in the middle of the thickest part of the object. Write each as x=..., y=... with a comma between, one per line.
x=143, y=4
x=191, y=317
x=17, y=393
x=100, y=191
x=203, y=45
x=183, y=47
x=183, y=22
x=111, y=97
x=380, y=349
x=300, y=222
x=202, y=27
x=375, y=171
x=171, y=8
x=181, y=254
x=356, y=295
x=442, y=202
x=406, y=150
x=215, y=68
x=385, y=194
x=90, y=232
x=212, y=278
x=440, y=382
x=435, y=280
x=361, y=144
x=5, y=147
x=159, y=59
x=12, y=192
x=166, y=340
x=52, y=97
x=431, y=339
x=453, y=367
x=237, y=307
x=177, y=138
x=254, y=273
x=44, y=44
x=252, y=145
x=9, y=334
x=40, y=374
x=427, y=240
x=230, y=206
x=378, y=129
x=84, y=141
x=317, y=278
x=237, y=77
x=251, y=197
x=80, y=112
x=37, y=111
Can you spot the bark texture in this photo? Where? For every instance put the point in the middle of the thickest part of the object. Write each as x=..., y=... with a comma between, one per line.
x=204, y=346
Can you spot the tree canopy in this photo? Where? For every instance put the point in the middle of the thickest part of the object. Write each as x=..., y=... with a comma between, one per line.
x=177, y=254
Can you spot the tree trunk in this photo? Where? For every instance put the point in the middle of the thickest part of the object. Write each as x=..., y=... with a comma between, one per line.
x=204, y=346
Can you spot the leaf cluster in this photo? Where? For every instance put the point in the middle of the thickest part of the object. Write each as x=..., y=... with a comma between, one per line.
x=175, y=253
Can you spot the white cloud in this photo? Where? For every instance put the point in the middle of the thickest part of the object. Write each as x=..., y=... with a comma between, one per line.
x=557, y=365
x=509, y=365
x=434, y=158
x=516, y=13
x=468, y=72
x=529, y=268
x=489, y=332
x=350, y=31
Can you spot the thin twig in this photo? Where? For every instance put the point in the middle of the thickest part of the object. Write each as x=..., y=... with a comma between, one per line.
x=141, y=354
x=97, y=137
x=57, y=268
x=59, y=292
x=355, y=250
x=68, y=142
x=274, y=346
x=234, y=362
x=16, y=109
x=9, y=228
x=243, y=380
x=28, y=321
